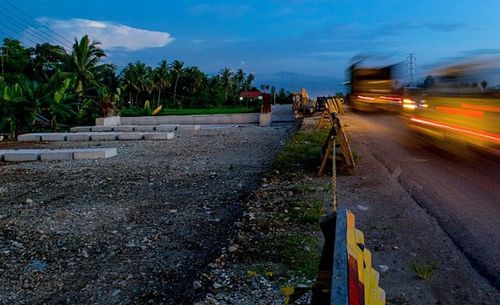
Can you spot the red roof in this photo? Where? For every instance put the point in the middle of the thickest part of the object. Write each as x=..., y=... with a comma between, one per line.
x=250, y=94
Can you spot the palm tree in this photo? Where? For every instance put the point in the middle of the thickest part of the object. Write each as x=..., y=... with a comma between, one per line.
x=160, y=79
x=226, y=76
x=249, y=81
x=83, y=60
x=136, y=78
x=177, y=69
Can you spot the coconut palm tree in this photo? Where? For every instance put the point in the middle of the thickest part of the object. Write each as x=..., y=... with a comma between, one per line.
x=226, y=77
x=83, y=60
x=160, y=79
x=177, y=69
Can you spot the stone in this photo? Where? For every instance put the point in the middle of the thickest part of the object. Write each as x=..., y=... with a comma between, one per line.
x=145, y=128
x=126, y=136
x=265, y=119
x=80, y=136
x=104, y=136
x=22, y=155
x=53, y=137
x=57, y=154
x=197, y=285
x=124, y=128
x=102, y=128
x=95, y=153
x=29, y=201
x=81, y=129
x=109, y=121
x=30, y=137
x=166, y=128
x=159, y=136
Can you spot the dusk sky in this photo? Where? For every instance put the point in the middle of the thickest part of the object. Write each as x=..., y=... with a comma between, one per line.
x=267, y=37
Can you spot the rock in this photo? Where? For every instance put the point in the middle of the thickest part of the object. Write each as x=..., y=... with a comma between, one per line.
x=289, y=193
x=29, y=201
x=85, y=253
x=383, y=268
x=395, y=248
x=233, y=248
x=197, y=285
x=217, y=285
x=17, y=244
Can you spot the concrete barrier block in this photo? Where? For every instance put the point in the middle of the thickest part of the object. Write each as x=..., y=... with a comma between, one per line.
x=265, y=119
x=188, y=127
x=140, y=120
x=95, y=153
x=124, y=128
x=144, y=128
x=81, y=129
x=176, y=119
x=166, y=127
x=80, y=136
x=128, y=136
x=109, y=121
x=56, y=154
x=29, y=137
x=22, y=155
x=53, y=137
x=104, y=136
x=102, y=128
x=159, y=136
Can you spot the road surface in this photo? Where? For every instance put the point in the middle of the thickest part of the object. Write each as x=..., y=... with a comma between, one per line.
x=461, y=192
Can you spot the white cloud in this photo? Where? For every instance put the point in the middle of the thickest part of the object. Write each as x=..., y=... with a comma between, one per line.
x=110, y=34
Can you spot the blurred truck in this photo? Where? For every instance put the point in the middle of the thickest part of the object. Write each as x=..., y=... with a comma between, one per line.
x=458, y=107
x=373, y=89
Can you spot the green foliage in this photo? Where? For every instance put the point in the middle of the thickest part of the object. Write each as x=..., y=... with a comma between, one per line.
x=131, y=112
x=75, y=86
x=424, y=270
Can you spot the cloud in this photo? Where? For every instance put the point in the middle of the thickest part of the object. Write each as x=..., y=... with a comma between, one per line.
x=481, y=52
x=110, y=34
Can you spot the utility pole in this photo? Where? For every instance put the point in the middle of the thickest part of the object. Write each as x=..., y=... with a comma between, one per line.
x=411, y=67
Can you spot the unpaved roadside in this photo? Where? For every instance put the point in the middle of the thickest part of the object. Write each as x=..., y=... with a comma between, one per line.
x=134, y=229
x=399, y=233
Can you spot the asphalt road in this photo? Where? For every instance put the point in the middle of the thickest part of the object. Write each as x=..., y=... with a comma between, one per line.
x=462, y=191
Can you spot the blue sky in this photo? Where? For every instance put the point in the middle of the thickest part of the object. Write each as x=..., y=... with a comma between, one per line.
x=267, y=37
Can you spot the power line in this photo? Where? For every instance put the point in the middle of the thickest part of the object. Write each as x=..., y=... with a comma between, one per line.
x=22, y=28
x=26, y=26
x=15, y=31
x=39, y=23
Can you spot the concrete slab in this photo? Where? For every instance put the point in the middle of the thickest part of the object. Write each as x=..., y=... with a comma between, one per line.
x=265, y=119
x=127, y=136
x=188, y=127
x=109, y=121
x=166, y=127
x=53, y=137
x=80, y=136
x=104, y=136
x=159, y=136
x=57, y=154
x=140, y=120
x=2, y=152
x=145, y=128
x=29, y=137
x=102, y=128
x=81, y=129
x=124, y=128
x=95, y=153
x=22, y=155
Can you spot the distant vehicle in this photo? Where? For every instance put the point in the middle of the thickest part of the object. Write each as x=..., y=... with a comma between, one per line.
x=373, y=89
x=458, y=107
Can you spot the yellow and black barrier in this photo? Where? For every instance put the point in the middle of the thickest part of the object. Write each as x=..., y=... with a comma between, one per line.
x=346, y=275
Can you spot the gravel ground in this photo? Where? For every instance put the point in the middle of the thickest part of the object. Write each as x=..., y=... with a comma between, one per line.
x=138, y=228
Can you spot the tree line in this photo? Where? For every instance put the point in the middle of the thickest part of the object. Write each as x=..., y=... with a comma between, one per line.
x=55, y=87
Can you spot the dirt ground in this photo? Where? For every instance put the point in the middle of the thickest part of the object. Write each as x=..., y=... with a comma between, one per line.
x=134, y=229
